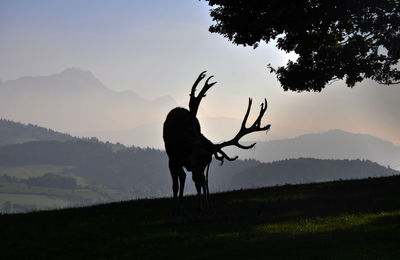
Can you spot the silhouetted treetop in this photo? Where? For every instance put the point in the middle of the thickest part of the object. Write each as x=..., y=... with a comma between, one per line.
x=342, y=39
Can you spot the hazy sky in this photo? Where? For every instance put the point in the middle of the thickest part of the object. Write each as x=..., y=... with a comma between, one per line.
x=158, y=47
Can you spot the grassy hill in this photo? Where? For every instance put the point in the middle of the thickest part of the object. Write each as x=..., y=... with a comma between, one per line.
x=15, y=133
x=356, y=219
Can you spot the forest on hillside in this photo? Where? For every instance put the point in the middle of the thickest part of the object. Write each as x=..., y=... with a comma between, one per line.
x=14, y=132
x=87, y=171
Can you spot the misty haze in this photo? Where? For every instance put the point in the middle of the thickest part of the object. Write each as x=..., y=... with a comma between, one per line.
x=112, y=124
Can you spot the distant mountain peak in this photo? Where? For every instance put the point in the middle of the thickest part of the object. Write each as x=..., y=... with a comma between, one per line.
x=76, y=100
x=71, y=80
x=331, y=144
x=80, y=79
x=341, y=133
x=336, y=130
x=74, y=71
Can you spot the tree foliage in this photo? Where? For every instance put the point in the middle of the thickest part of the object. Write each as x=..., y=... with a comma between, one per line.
x=341, y=39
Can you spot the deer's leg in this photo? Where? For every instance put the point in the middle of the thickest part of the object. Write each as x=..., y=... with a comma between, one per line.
x=205, y=192
x=174, y=169
x=199, y=180
x=198, y=188
x=182, y=178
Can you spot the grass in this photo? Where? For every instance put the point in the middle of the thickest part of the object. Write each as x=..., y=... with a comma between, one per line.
x=29, y=171
x=357, y=219
x=39, y=197
x=48, y=197
x=38, y=201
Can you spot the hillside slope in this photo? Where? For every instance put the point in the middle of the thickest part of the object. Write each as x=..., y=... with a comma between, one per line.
x=306, y=170
x=332, y=144
x=52, y=174
x=13, y=133
x=339, y=220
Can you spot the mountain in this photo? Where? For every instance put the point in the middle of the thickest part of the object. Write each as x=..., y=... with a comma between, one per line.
x=126, y=167
x=86, y=171
x=76, y=101
x=145, y=135
x=14, y=132
x=307, y=170
x=150, y=135
x=333, y=144
x=69, y=81
x=145, y=170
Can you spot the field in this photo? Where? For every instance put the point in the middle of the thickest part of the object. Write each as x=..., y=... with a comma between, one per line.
x=29, y=171
x=41, y=201
x=357, y=219
x=25, y=172
x=17, y=196
x=14, y=192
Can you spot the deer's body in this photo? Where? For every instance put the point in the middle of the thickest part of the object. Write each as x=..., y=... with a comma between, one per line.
x=188, y=148
x=183, y=138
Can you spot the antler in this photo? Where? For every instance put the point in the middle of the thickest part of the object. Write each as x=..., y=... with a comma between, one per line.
x=255, y=127
x=194, y=101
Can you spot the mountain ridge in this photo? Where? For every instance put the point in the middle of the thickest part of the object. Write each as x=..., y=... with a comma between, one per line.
x=15, y=132
x=308, y=170
x=74, y=100
x=332, y=144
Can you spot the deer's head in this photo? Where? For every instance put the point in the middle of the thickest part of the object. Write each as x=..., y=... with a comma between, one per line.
x=216, y=149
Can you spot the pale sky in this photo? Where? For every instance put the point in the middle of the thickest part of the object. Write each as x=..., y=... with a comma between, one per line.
x=158, y=47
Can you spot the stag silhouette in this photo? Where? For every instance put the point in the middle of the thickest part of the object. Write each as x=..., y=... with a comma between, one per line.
x=188, y=148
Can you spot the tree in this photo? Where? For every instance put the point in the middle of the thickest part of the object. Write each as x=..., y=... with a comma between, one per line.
x=342, y=39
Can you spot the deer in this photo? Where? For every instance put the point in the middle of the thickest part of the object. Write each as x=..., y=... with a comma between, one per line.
x=188, y=148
